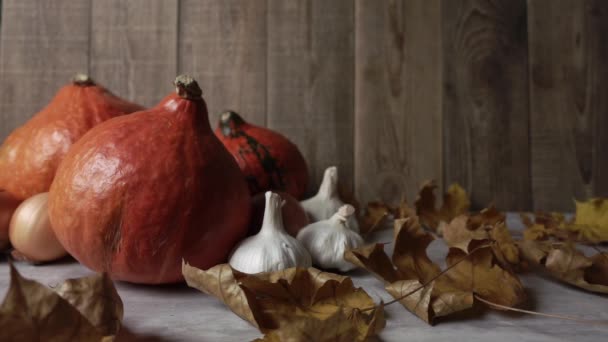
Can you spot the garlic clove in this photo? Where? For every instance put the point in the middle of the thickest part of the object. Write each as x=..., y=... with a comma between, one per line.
x=272, y=249
x=30, y=231
x=327, y=240
x=327, y=201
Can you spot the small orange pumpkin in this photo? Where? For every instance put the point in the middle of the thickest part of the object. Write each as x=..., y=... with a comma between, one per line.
x=269, y=161
x=30, y=155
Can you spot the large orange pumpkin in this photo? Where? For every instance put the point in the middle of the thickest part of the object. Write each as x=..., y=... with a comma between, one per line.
x=139, y=193
x=268, y=159
x=30, y=155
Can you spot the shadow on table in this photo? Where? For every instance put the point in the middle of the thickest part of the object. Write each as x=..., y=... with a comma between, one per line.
x=126, y=335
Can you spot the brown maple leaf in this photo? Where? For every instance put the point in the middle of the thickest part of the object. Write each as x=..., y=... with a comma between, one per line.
x=565, y=263
x=292, y=300
x=84, y=309
x=455, y=202
x=427, y=291
x=375, y=214
x=488, y=225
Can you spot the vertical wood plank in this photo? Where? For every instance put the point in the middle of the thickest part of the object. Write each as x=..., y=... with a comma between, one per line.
x=569, y=120
x=311, y=81
x=134, y=47
x=398, y=97
x=486, y=107
x=222, y=43
x=44, y=43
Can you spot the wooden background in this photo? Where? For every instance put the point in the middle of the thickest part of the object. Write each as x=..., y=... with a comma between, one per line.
x=506, y=97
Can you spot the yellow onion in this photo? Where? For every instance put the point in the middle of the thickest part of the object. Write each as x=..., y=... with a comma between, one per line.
x=30, y=231
x=8, y=204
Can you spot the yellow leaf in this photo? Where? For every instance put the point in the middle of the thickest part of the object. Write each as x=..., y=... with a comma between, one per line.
x=591, y=220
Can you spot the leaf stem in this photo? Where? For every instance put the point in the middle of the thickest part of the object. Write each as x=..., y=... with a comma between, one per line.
x=375, y=225
x=569, y=318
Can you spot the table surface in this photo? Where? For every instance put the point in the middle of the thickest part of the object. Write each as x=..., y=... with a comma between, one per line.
x=179, y=313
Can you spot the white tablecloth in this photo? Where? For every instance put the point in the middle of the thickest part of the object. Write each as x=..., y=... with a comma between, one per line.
x=178, y=313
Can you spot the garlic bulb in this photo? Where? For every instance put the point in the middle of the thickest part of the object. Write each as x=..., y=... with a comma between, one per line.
x=327, y=202
x=30, y=231
x=272, y=249
x=327, y=240
x=8, y=204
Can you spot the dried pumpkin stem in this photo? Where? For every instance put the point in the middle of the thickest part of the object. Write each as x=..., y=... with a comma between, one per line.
x=569, y=318
x=187, y=87
x=430, y=280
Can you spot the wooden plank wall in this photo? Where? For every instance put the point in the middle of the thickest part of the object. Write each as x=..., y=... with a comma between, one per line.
x=503, y=96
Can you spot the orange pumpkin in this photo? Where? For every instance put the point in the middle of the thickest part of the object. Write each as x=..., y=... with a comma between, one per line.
x=31, y=153
x=138, y=194
x=269, y=161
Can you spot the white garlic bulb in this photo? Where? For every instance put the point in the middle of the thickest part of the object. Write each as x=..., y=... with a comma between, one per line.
x=272, y=249
x=327, y=240
x=327, y=202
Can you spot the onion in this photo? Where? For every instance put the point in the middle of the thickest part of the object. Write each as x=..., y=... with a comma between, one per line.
x=8, y=204
x=30, y=231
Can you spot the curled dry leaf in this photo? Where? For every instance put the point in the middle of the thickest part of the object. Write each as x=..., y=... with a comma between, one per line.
x=564, y=262
x=430, y=292
x=375, y=214
x=288, y=301
x=462, y=231
x=91, y=310
x=455, y=202
x=97, y=299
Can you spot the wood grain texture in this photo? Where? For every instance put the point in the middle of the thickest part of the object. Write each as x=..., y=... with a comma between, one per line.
x=569, y=108
x=44, y=43
x=311, y=81
x=398, y=97
x=486, y=108
x=222, y=43
x=133, y=47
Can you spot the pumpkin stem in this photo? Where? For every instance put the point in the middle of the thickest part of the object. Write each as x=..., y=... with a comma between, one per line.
x=82, y=80
x=229, y=121
x=186, y=87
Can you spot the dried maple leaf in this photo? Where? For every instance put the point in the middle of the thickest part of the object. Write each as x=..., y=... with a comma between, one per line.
x=591, y=221
x=455, y=202
x=296, y=298
x=488, y=225
x=375, y=214
x=544, y=226
x=97, y=299
x=404, y=210
x=34, y=312
x=566, y=263
x=421, y=286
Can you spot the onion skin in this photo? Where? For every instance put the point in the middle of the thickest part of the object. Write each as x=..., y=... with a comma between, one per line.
x=8, y=205
x=294, y=216
x=30, y=231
